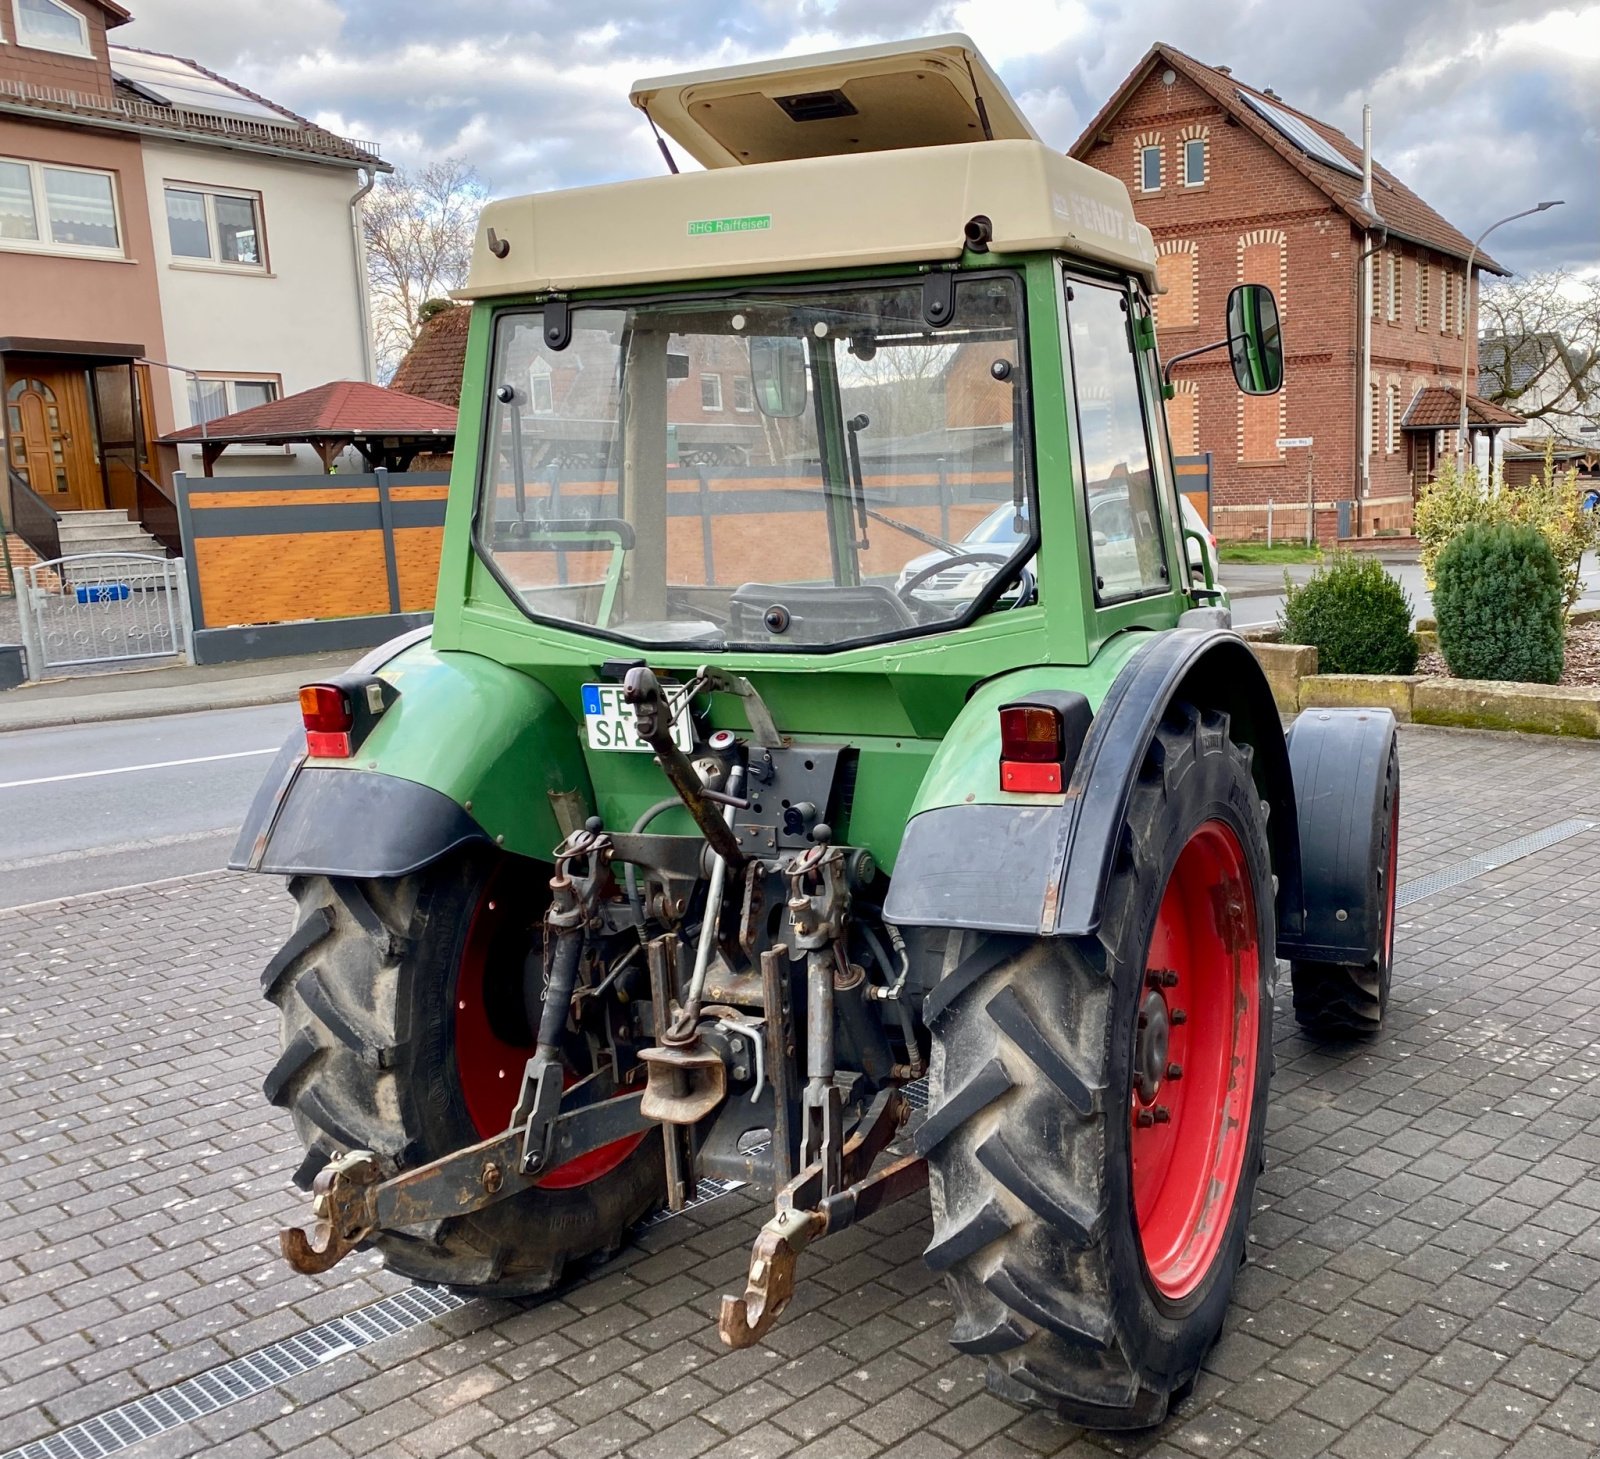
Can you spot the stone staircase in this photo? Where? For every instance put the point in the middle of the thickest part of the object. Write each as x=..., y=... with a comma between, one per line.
x=105, y=531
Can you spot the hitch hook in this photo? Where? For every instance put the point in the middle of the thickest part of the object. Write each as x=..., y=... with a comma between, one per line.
x=339, y=1200
x=745, y=1320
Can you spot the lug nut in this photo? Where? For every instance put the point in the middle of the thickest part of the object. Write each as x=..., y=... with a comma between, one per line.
x=1179, y=1015
x=1174, y=1071
x=1163, y=1114
x=1144, y=1022
x=1144, y=1119
x=1169, y=980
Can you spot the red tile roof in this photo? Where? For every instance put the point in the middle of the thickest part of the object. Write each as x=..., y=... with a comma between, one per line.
x=339, y=409
x=1437, y=407
x=433, y=366
x=1406, y=215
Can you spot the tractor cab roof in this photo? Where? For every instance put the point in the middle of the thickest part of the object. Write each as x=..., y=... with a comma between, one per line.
x=871, y=156
x=932, y=92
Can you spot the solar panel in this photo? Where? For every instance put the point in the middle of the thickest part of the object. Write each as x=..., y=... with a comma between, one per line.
x=176, y=83
x=1313, y=144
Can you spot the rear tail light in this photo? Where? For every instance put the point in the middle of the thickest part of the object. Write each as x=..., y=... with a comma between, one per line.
x=329, y=717
x=1031, y=748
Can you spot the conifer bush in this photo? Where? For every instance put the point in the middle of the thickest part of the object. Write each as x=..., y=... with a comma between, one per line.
x=1500, y=601
x=1357, y=616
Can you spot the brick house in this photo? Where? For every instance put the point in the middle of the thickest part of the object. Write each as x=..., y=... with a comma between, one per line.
x=1239, y=187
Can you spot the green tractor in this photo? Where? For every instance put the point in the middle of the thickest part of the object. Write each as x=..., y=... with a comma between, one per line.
x=824, y=705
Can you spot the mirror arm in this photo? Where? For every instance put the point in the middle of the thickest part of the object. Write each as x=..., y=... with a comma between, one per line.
x=1205, y=349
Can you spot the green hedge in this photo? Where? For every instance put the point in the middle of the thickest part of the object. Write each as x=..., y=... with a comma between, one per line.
x=1501, y=604
x=1356, y=615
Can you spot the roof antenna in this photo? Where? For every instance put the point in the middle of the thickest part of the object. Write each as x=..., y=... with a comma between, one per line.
x=661, y=141
x=977, y=96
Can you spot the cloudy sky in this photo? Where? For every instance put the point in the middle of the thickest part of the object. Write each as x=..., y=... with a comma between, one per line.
x=1483, y=106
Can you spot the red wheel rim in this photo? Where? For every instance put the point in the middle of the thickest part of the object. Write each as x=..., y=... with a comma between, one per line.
x=1195, y=1060
x=493, y=1042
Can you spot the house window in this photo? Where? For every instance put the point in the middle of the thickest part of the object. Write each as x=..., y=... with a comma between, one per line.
x=711, y=392
x=216, y=227
x=541, y=393
x=1391, y=439
x=1391, y=288
x=744, y=395
x=1150, y=169
x=1447, y=302
x=1194, y=162
x=213, y=396
x=48, y=25
x=57, y=209
x=1422, y=294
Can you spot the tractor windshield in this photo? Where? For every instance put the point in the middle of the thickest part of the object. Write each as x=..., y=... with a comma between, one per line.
x=796, y=468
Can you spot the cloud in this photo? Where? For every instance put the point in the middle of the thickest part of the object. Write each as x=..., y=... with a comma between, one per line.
x=1478, y=106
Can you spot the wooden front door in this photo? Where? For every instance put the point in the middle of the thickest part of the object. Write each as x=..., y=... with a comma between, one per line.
x=50, y=439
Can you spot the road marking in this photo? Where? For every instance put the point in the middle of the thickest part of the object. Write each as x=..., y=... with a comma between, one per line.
x=129, y=769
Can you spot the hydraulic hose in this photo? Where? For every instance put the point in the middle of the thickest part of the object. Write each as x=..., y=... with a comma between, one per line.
x=558, y=991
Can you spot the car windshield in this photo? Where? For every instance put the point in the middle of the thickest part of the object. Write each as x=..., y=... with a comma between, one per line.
x=759, y=470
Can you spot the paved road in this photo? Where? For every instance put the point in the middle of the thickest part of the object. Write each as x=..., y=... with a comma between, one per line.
x=1425, y=1251
x=87, y=807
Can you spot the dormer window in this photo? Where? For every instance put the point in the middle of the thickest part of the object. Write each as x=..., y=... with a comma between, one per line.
x=50, y=25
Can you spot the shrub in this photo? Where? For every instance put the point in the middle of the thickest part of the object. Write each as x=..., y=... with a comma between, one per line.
x=1358, y=617
x=1498, y=599
x=1552, y=503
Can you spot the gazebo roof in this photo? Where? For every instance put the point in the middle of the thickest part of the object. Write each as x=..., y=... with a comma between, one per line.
x=340, y=410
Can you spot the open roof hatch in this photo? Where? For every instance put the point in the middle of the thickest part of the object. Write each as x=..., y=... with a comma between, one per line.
x=920, y=93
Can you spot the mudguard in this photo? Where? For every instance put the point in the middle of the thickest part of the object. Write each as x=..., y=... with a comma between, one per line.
x=1040, y=869
x=1340, y=759
x=469, y=751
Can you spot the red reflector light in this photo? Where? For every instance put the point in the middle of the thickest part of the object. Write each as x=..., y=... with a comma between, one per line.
x=1031, y=733
x=1015, y=775
x=326, y=709
x=329, y=744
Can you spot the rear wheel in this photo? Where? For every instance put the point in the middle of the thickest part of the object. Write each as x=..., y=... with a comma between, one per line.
x=1098, y=1105
x=404, y=1031
x=1332, y=1001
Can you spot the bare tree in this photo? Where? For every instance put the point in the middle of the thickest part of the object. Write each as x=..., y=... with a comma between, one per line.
x=419, y=227
x=1539, y=349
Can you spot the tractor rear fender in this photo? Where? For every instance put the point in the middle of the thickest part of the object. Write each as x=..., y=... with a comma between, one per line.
x=1340, y=759
x=1041, y=868
x=469, y=751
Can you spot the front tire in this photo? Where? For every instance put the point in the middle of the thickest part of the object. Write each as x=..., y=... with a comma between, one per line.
x=378, y=988
x=1089, y=1204
x=1336, y=1002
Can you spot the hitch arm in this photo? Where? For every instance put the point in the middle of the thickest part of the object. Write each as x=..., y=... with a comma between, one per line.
x=351, y=1200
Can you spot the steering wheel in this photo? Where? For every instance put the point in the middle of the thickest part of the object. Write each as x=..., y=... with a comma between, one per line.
x=916, y=580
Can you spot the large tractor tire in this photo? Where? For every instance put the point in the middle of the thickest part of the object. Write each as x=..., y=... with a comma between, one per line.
x=404, y=1032
x=1332, y=1001
x=1097, y=1105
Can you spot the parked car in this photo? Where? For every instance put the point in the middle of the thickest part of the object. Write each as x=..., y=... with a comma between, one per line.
x=1111, y=522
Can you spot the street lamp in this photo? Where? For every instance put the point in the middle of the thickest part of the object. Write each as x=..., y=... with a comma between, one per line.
x=1467, y=334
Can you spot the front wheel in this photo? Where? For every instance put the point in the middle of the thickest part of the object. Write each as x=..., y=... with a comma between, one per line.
x=1098, y=1105
x=404, y=1030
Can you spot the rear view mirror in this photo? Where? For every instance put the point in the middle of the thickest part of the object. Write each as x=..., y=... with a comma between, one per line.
x=1255, y=347
x=778, y=375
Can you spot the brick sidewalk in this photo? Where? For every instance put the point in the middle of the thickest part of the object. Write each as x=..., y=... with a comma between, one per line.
x=1426, y=1253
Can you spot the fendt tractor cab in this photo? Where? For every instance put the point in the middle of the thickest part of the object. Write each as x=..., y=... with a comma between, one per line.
x=745, y=790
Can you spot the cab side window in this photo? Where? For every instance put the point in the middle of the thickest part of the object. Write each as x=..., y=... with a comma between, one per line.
x=1113, y=447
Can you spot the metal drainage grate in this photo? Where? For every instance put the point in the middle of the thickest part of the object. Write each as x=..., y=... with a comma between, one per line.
x=709, y=1189
x=216, y=1388
x=1490, y=860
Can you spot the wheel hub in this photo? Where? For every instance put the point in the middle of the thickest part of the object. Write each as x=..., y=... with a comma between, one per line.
x=1150, y=1046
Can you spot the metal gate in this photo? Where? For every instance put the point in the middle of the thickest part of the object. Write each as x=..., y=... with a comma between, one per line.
x=101, y=608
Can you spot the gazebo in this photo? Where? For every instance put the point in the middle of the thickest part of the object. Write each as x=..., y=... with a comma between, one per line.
x=388, y=427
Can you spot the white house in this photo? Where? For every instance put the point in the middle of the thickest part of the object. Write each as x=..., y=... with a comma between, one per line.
x=259, y=263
